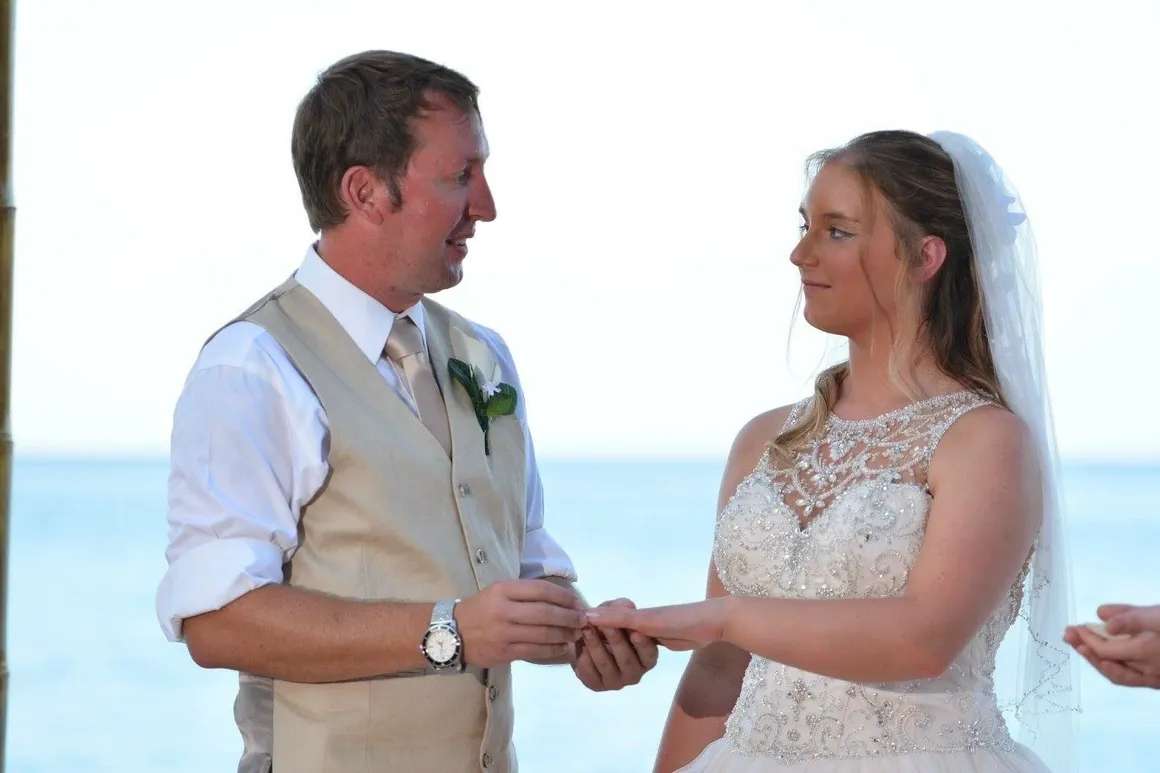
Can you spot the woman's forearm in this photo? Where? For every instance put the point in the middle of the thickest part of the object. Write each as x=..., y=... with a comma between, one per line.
x=859, y=640
x=706, y=694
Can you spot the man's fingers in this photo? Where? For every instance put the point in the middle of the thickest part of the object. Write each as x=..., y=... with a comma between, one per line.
x=540, y=613
x=544, y=634
x=544, y=591
x=586, y=669
x=624, y=653
x=602, y=661
x=524, y=651
x=646, y=650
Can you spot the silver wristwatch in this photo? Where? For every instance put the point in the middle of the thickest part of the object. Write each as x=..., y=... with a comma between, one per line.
x=442, y=645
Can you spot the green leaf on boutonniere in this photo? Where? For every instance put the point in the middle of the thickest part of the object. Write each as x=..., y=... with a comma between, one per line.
x=489, y=401
x=503, y=402
x=462, y=372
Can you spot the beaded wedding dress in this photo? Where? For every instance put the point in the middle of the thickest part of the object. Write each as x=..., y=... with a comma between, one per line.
x=847, y=521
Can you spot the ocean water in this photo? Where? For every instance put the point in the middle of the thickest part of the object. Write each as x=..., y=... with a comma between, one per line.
x=95, y=686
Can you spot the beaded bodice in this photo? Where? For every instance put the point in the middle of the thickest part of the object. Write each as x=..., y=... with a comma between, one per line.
x=846, y=520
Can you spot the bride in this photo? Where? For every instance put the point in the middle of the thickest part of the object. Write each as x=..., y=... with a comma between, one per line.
x=877, y=541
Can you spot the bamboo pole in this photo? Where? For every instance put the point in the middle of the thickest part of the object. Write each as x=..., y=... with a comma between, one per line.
x=7, y=256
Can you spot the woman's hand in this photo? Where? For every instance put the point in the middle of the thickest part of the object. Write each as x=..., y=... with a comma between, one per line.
x=680, y=627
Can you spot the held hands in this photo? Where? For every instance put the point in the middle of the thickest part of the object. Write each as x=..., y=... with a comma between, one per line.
x=519, y=620
x=1132, y=658
x=540, y=621
x=680, y=627
x=611, y=658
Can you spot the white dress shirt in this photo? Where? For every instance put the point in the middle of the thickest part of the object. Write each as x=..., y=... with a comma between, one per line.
x=248, y=450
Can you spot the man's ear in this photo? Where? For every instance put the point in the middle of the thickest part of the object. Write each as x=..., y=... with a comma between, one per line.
x=365, y=195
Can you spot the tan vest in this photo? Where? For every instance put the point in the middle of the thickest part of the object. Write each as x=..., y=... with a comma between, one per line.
x=396, y=519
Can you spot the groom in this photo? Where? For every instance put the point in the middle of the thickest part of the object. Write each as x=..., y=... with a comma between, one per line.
x=356, y=517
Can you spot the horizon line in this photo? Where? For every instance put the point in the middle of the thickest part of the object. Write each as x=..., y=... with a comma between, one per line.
x=158, y=457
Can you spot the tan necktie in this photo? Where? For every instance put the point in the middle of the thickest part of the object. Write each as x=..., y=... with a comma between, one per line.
x=405, y=351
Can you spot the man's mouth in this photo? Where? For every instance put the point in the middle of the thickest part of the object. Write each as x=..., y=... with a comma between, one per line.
x=460, y=240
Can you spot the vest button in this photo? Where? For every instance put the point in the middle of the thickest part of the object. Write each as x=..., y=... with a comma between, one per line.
x=486, y=760
x=493, y=692
x=464, y=490
x=481, y=556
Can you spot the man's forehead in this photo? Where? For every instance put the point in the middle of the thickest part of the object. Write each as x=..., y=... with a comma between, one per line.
x=463, y=129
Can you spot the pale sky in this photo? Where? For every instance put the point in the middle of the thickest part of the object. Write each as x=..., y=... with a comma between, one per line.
x=647, y=166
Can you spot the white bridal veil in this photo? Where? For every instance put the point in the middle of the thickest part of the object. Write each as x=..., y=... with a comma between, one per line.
x=1047, y=694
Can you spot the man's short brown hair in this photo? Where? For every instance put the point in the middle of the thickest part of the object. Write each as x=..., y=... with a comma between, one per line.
x=360, y=113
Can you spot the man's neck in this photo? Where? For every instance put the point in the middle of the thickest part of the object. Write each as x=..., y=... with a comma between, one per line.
x=349, y=261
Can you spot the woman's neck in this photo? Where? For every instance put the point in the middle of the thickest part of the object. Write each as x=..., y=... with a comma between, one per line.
x=869, y=389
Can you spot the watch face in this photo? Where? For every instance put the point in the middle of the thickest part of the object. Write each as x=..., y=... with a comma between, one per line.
x=441, y=645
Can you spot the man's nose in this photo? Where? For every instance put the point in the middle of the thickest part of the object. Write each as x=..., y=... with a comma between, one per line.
x=482, y=203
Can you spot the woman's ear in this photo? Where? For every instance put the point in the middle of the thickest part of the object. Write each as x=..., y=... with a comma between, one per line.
x=932, y=253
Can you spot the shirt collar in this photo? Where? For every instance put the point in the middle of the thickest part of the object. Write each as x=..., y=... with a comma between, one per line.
x=363, y=318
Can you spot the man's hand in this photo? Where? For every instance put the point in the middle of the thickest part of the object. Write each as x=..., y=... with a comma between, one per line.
x=1131, y=662
x=613, y=658
x=519, y=620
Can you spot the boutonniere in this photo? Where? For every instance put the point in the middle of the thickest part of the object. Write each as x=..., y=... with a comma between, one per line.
x=490, y=397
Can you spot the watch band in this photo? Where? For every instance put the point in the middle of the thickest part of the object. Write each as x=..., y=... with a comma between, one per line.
x=444, y=611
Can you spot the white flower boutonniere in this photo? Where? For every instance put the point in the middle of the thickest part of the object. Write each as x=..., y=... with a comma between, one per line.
x=490, y=397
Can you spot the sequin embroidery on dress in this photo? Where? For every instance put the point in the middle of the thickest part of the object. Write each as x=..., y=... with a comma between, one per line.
x=846, y=520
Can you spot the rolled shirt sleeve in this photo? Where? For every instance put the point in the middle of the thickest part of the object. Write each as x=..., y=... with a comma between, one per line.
x=243, y=461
